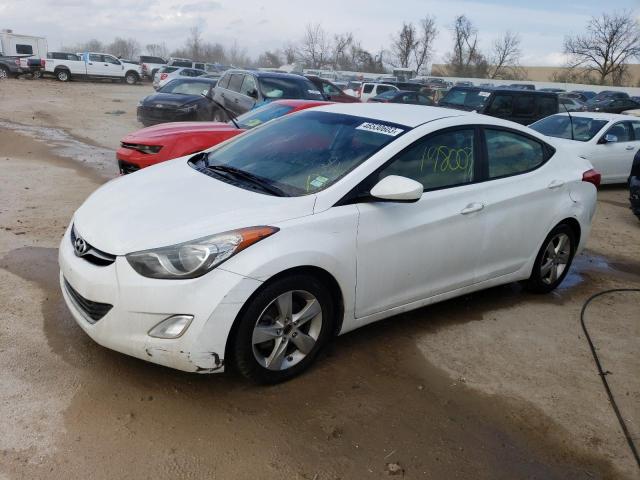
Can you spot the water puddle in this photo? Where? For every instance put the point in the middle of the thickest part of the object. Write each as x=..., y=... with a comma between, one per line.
x=588, y=263
x=100, y=159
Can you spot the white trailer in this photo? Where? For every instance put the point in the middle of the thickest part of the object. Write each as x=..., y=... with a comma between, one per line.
x=27, y=46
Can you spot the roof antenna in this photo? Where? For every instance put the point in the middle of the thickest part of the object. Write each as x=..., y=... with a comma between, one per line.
x=570, y=117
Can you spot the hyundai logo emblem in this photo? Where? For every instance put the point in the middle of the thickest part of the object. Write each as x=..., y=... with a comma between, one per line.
x=80, y=247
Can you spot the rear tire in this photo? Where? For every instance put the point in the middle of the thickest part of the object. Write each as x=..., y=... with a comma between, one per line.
x=63, y=75
x=4, y=72
x=131, y=78
x=282, y=328
x=554, y=260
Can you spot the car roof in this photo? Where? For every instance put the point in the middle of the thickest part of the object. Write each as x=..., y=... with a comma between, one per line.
x=598, y=115
x=300, y=102
x=401, y=114
x=263, y=74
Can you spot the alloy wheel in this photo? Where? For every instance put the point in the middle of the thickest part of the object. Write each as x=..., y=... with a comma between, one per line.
x=287, y=330
x=3, y=73
x=555, y=259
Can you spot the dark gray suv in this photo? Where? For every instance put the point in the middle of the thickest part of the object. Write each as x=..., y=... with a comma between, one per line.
x=241, y=90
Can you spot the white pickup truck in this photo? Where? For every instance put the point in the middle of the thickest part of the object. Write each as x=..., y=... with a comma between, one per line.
x=93, y=65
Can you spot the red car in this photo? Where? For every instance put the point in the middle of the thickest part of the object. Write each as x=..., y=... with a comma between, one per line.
x=166, y=141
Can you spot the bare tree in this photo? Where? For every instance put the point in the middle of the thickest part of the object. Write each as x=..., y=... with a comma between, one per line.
x=290, y=53
x=610, y=42
x=270, y=59
x=124, y=48
x=424, y=48
x=505, y=56
x=157, y=50
x=403, y=45
x=92, y=45
x=341, y=44
x=315, y=49
x=194, y=43
x=466, y=60
x=237, y=55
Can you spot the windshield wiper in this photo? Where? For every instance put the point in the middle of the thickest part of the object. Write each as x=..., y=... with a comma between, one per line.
x=230, y=116
x=254, y=179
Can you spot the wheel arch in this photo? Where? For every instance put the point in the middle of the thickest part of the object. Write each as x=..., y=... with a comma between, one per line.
x=575, y=227
x=320, y=273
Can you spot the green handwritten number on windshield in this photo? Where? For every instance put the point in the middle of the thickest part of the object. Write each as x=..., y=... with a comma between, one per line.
x=446, y=159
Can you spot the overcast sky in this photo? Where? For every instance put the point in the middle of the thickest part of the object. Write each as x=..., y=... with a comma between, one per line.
x=260, y=25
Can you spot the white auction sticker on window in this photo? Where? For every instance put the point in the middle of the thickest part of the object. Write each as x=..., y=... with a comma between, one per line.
x=379, y=128
x=484, y=94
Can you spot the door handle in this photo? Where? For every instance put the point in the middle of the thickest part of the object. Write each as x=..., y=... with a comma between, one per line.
x=472, y=207
x=629, y=147
x=235, y=100
x=555, y=184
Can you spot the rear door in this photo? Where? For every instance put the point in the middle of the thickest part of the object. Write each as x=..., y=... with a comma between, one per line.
x=520, y=184
x=232, y=94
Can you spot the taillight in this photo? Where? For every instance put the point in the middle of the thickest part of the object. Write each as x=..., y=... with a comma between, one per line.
x=592, y=176
x=17, y=60
x=163, y=76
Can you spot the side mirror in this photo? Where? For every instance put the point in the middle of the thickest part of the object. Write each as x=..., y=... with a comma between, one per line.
x=610, y=138
x=397, y=189
x=253, y=93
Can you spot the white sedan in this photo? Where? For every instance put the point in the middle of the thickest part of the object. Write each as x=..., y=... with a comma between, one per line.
x=608, y=140
x=167, y=73
x=257, y=252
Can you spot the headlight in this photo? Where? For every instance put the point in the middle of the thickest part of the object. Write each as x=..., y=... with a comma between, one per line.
x=195, y=258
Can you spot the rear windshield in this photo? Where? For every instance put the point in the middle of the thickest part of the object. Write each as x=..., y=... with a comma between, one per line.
x=274, y=88
x=306, y=152
x=560, y=126
x=152, y=60
x=181, y=63
x=263, y=114
x=185, y=87
x=465, y=99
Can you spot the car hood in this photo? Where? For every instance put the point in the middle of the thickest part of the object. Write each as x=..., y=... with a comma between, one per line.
x=172, y=203
x=173, y=99
x=164, y=130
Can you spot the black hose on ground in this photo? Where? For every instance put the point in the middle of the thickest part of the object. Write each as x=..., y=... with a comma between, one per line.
x=603, y=374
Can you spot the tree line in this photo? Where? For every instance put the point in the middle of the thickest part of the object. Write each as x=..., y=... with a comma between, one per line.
x=602, y=54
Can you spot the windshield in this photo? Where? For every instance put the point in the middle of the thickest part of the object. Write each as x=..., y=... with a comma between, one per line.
x=306, y=152
x=584, y=128
x=274, y=88
x=263, y=114
x=185, y=88
x=467, y=99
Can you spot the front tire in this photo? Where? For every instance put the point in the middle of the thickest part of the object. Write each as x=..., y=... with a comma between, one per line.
x=553, y=260
x=4, y=72
x=131, y=78
x=282, y=329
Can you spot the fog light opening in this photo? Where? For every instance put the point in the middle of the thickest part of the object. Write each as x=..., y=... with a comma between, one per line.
x=172, y=327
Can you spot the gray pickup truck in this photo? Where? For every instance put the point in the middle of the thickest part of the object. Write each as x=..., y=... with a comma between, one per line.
x=9, y=66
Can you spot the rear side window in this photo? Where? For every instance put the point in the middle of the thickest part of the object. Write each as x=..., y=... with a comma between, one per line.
x=501, y=106
x=548, y=105
x=509, y=153
x=441, y=160
x=367, y=89
x=384, y=88
x=24, y=49
x=152, y=60
x=235, y=82
x=524, y=106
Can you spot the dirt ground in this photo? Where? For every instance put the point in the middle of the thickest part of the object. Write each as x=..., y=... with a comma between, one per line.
x=496, y=385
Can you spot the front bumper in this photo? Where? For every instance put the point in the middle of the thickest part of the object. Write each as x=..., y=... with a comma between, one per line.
x=152, y=115
x=139, y=303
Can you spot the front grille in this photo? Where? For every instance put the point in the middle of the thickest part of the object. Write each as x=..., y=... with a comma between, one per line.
x=92, y=254
x=93, y=311
x=126, y=167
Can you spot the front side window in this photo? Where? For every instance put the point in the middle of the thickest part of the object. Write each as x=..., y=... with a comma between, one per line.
x=384, y=88
x=636, y=130
x=622, y=131
x=437, y=161
x=524, y=106
x=112, y=60
x=510, y=153
x=584, y=128
x=368, y=88
x=306, y=152
x=248, y=86
x=274, y=88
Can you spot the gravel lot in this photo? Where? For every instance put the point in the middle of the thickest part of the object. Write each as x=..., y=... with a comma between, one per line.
x=495, y=385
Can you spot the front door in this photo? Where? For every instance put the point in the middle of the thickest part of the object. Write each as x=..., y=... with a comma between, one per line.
x=407, y=252
x=614, y=158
